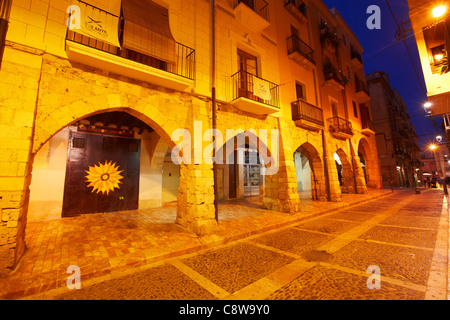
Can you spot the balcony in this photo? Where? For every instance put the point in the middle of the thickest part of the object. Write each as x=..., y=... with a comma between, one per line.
x=367, y=126
x=340, y=128
x=328, y=37
x=306, y=115
x=297, y=8
x=356, y=61
x=362, y=92
x=300, y=52
x=95, y=53
x=334, y=81
x=252, y=13
x=254, y=95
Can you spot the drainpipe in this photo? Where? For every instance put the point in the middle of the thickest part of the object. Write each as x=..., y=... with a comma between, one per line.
x=5, y=10
x=213, y=101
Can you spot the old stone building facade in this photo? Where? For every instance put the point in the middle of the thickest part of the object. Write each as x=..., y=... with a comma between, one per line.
x=92, y=123
x=397, y=141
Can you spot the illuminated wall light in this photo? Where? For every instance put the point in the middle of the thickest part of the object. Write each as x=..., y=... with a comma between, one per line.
x=439, y=11
x=439, y=57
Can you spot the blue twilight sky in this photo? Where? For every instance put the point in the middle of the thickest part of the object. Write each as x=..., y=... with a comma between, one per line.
x=382, y=54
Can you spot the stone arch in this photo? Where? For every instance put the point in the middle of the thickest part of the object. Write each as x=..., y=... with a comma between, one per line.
x=154, y=148
x=318, y=183
x=46, y=125
x=347, y=181
x=370, y=163
x=226, y=157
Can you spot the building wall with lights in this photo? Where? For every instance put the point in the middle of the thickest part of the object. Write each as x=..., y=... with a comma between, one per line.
x=395, y=134
x=292, y=66
x=430, y=22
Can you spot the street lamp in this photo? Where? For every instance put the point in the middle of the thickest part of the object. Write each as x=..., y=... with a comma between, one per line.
x=433, y=148
x=427, y=107
x=439, y=11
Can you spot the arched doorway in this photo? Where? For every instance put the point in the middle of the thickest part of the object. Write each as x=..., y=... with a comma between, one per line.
x=107, y=162
x=309, y=172
x=369, y=164
x=242, y=165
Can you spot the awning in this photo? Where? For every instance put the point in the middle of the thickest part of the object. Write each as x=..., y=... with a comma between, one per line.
x=147, y=29
x=94, y=22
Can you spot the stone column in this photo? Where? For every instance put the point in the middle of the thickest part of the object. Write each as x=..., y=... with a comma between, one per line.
x=19, y=83
x=196, y=199
x=335, y=189
x=361, y=187
x=281, y=188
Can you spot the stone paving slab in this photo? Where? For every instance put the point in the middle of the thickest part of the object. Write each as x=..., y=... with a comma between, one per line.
x=164, y=282
x=321, y=283
x=103, y=244
x=291, y=263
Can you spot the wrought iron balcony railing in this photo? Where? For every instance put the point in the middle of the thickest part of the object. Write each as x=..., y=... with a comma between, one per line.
x=300, y=5
x=340, y=125
x=361, y=86
x=184, y=64
x=295, y=44
x=356, y=55
x=367, y=124
x=243, y=85
x=261, y=7
x=302, y=110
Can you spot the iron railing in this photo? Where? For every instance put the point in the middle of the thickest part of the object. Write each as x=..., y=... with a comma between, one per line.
x=334, y=76
x=261, y=7
x=340, y=125
x=356, y=55
x=367, y=124
x=361, y=86
x=243, y=86
x=295, y=44
x=302, y=110
x=300, y=5
x=184, y=64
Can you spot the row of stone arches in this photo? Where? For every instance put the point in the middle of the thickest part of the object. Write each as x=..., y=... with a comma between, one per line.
x=309, y=165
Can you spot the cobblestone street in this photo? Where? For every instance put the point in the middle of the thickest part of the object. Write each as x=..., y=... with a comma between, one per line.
x=323, y=257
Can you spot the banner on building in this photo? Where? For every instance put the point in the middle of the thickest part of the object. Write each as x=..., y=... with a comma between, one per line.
x=95, y=22
x=261, y=89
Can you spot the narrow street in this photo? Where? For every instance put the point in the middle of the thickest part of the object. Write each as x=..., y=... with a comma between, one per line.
x=404, y=236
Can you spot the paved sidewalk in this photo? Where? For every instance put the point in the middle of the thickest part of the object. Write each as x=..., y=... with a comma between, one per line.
x=103, y=244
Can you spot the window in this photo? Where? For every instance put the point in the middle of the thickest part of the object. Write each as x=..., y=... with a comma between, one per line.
x=334, y=109
x=300, y=91
x=78, y=143
x=437, y=38
x=349, y=74
x=248, y=67
x=355, y=109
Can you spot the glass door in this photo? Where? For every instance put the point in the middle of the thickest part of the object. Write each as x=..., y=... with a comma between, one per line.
x=252, y=173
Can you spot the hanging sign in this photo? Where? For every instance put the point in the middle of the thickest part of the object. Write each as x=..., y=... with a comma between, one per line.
x=94, y=22
x=261, y=89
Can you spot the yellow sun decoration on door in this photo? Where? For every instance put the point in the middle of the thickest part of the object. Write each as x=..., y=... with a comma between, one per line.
x=104, y=177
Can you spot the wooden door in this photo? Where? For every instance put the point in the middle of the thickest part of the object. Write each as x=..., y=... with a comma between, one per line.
x=102, y=174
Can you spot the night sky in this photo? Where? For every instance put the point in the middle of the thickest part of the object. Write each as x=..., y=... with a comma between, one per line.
x=382, y=53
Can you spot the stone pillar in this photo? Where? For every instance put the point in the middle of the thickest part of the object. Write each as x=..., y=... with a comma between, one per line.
x=281, y=188
x=361, y=187
x=335, y=193
x=19, y=82
x=196, y=210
